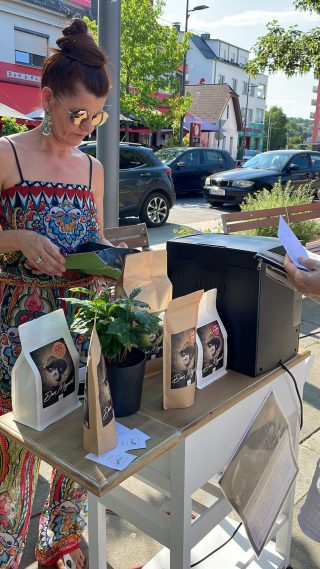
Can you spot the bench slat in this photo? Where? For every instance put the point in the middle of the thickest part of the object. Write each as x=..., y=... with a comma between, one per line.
x=247, y=220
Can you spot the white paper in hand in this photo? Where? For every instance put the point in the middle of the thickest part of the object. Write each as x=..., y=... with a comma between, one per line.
x=292, y=244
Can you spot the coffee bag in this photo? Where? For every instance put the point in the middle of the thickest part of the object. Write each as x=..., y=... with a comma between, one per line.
x=99, y=429
x=211, y=341
x=45, y=375
x=149, y=272
x=179, y=351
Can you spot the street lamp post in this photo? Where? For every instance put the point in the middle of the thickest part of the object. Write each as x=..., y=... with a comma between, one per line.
x=183, y=79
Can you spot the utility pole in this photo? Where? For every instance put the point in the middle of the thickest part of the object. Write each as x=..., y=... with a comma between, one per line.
x=109, y=24
x=184, y=66
x=269, y=133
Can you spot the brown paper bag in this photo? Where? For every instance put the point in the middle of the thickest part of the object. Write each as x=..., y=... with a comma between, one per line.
x=179, y=351
x=148, y=271
x=99, y=428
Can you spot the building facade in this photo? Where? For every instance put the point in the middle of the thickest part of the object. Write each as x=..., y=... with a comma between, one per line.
x=212, y=61
x=28, y=29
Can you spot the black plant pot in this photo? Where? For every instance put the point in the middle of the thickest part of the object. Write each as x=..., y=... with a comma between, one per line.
x=126, y=383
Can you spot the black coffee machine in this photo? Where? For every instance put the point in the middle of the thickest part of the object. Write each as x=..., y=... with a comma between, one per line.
x=257, y=305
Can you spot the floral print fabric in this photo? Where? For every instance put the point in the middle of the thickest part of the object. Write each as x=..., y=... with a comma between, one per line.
x=66, y=214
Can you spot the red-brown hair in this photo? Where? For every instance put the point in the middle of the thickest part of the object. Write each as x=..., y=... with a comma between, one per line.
x=78, y=59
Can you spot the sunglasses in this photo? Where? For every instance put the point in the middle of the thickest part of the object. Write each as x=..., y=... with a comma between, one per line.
x=80, y=116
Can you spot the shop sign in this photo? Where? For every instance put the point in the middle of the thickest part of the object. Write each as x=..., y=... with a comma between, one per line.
x=195, y=133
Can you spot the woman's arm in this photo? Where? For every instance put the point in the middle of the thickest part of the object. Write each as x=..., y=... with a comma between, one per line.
x=32, y=245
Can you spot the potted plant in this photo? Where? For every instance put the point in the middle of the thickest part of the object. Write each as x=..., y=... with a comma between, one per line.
x=121, y=324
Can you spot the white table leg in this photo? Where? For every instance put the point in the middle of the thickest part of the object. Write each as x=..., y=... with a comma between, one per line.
x=180, y=511
x=97, y=532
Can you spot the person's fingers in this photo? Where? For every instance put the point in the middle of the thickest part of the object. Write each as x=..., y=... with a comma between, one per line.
x=123, y=244
x=312, y=264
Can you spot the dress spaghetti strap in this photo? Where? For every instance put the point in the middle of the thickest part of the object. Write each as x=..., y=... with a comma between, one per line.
x=90, y=171
x=16, y=157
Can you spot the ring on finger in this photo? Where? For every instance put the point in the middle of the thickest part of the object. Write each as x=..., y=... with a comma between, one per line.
x=39, y=260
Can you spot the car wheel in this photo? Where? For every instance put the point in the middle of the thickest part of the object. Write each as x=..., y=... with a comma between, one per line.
x=155, y=210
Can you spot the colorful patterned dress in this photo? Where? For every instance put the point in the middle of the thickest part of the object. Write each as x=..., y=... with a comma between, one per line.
x=67, y=215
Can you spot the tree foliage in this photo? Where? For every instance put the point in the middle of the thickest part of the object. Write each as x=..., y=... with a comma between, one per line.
x=276, y=128
x=10, y=126
x=150, y=56
x=289, y=50
x=297, y=131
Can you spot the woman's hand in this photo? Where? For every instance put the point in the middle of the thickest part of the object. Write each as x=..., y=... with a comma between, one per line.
x=307, y=282
x=43, y=257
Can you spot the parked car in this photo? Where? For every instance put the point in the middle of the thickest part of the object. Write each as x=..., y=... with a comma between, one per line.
x=191, y=166
x=263, y=171
x=145, y=184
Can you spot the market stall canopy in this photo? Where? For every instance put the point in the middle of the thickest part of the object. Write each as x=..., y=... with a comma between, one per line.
x=38, y=115
x=6, y=111
x=205, y=125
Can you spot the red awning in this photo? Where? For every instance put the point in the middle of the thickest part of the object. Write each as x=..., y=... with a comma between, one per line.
x=24, y=98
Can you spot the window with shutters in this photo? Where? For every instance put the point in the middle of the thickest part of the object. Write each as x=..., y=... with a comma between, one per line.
x=31, y=48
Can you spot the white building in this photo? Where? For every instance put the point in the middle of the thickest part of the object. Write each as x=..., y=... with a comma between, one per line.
x=28, y=28
x=212, y=61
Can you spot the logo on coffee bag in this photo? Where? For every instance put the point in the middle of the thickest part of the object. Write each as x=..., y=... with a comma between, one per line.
x=56, y=370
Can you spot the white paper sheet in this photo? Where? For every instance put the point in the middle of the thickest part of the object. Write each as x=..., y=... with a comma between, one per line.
x=292, y=244
x=127, y=439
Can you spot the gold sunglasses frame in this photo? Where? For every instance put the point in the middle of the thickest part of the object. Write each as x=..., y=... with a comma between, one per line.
x=78, y=120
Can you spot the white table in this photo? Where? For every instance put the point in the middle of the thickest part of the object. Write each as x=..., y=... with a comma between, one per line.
x=187, y=449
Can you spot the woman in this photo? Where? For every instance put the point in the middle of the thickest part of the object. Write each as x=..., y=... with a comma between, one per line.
x=51, y=201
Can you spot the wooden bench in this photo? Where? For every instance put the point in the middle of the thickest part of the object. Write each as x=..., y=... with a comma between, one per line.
x=246, y=220
x=132, y=235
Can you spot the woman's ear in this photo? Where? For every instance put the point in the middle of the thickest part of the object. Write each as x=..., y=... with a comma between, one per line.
x=46, y=97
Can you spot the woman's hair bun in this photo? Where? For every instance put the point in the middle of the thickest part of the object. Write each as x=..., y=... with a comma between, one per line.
x=76, y=43
x=77, y=26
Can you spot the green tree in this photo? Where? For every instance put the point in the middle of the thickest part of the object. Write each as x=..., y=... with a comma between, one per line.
x=289, y=50
x=297, y=131
x=150, y=56
x=10, y=126
x=275, y=124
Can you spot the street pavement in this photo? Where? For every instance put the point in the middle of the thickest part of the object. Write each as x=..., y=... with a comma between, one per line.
x=129, y=548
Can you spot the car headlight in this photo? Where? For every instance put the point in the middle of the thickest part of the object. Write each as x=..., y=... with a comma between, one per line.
x=242, y=183
x=208, y=181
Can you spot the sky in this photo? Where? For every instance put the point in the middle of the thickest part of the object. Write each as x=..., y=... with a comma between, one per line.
x=241, y=23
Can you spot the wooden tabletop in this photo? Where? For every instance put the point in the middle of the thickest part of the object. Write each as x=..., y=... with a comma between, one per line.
x=60, y=444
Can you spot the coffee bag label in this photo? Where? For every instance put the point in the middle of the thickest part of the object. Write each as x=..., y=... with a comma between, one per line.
x=183, y=358
x=212, y=342
x=153, y=346
x=86, y=421
x=105, y=401
x=56, y=369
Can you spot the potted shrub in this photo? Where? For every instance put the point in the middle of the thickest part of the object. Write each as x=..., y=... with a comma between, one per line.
x=121, y=323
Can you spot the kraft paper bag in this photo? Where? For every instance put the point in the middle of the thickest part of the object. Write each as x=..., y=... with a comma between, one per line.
x=99, y=428
x=211, y=341
x=148, y=271
x=179, y=351
x=45, y=376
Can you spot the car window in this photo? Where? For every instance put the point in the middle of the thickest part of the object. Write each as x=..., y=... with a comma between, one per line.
x=131, y=159
x=213, y=156
x=315, y=161
x=267, y=161
x=191, y=158
x=301, y=160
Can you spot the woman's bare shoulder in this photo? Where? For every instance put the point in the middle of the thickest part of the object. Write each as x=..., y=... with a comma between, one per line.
x=6, y=157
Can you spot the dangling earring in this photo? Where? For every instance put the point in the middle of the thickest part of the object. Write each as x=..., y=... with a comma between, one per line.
x=46, y=124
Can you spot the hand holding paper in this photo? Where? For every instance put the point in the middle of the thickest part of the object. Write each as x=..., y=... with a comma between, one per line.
x=293, y=246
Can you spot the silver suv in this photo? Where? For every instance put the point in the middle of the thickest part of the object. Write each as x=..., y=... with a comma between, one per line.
x=145, y=184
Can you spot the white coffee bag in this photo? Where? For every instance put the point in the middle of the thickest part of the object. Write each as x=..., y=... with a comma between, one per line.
x=45, y=377
x=211, y=341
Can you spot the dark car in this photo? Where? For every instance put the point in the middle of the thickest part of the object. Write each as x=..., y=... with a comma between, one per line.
x=263, y=171
x=191, y=166
x=145, y=184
